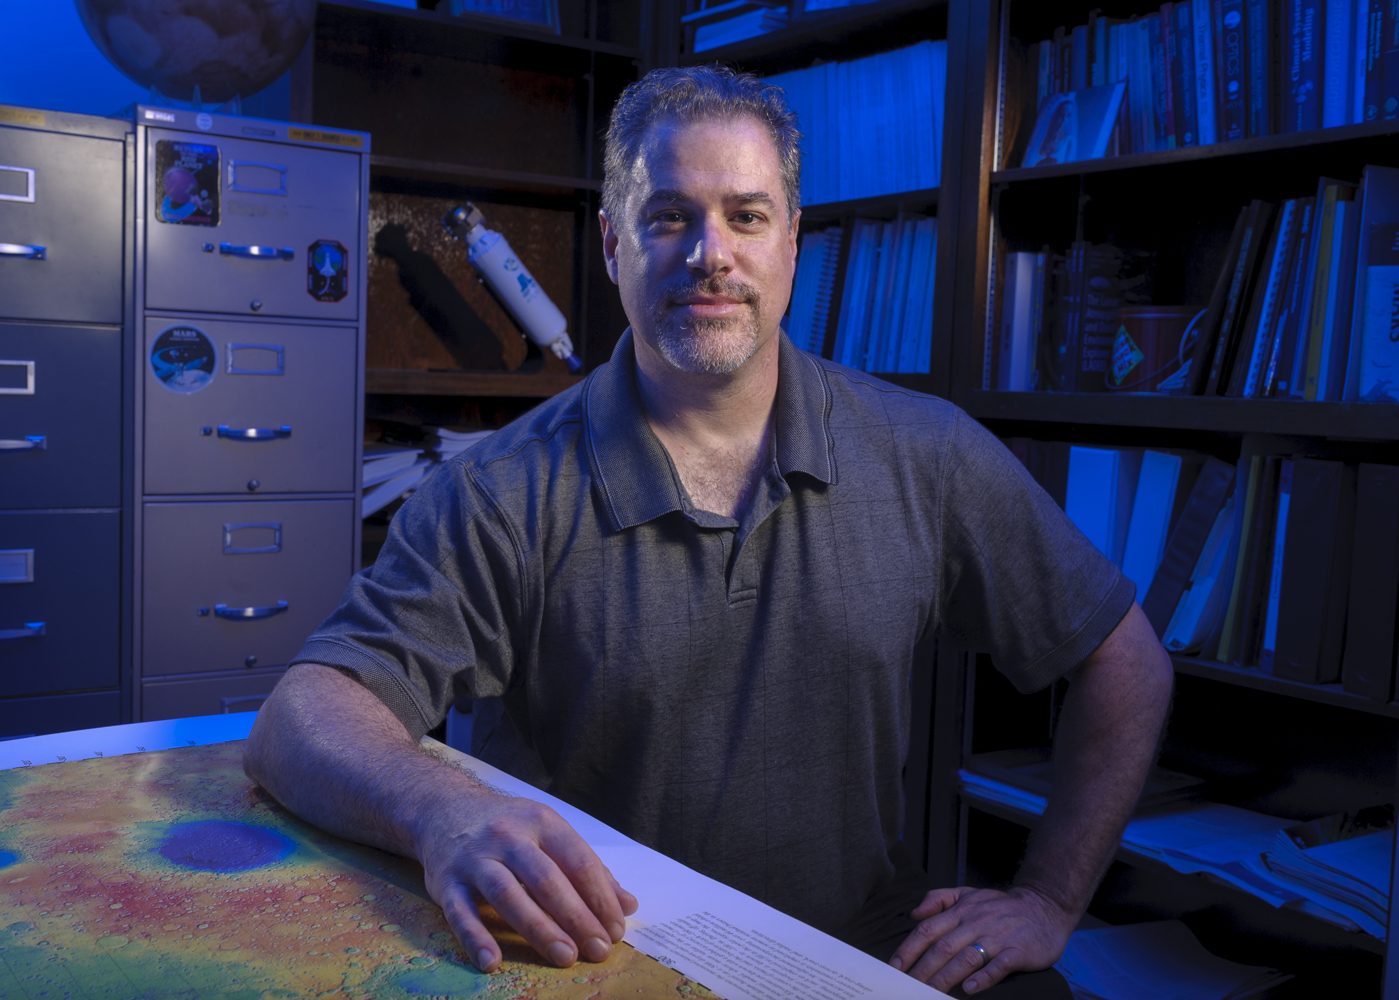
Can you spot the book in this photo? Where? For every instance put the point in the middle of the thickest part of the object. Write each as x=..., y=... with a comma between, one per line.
x=1378, y=198
x=1075, y=125
x=1245, y=512
x=1256, y=336
x=813, y=287
x=1258, y=95
x=1180, y=52
x=1203, y=72
x=1336, y=62
x=1278, y=379
x=1101, y=489
x=1253, y=601
x=1195, y=616
x=1195, y=372
x=1368, y=665
x=1233, y=314
x=1378, y=368
x=1321, y=269
x=1017, y=352
x=1316, y=572
x=1151, y=518
x=1335, y=333
x=1303, y=22
x=1230, y=44
x=1270, y=624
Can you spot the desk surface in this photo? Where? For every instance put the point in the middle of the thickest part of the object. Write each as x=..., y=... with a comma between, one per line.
x=169, y=874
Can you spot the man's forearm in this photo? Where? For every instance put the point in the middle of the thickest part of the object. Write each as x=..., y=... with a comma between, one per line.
x=332, y=753
x=1108, y=737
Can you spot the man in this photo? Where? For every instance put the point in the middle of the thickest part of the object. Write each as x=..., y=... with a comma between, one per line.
x=697, y=584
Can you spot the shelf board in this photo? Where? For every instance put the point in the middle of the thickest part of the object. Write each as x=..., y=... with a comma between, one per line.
x=1252, y=677
x=1358, y=421
x=823, y=26
x=1128, y=856
x=391, y=164
x=502, y=27
x=405, y=382
x=1191, y=154
x=879, y=205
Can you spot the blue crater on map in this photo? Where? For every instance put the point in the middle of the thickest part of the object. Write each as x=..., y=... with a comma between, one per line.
x=220, y=846
x=445, y=979
x=8, y=858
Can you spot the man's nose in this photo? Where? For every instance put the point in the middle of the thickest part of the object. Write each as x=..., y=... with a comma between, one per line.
x=711, y=253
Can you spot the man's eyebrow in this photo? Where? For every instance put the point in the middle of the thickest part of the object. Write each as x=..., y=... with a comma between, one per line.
x=674, y=196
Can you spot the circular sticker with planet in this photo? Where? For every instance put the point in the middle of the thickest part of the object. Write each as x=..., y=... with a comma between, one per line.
x=183, y=359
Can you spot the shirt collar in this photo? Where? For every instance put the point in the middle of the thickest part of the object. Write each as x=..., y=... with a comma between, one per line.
x=634, y=473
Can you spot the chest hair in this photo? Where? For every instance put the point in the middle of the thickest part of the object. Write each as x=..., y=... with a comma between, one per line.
x=722, y=480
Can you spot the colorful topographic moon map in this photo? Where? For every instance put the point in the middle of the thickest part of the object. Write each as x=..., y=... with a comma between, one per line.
x=169, y=874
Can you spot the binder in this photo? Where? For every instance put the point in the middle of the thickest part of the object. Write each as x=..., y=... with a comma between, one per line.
x=1368, y=667
x=1187, y=540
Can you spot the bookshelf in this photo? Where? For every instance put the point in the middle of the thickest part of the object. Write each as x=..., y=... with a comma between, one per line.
x=1263, y=742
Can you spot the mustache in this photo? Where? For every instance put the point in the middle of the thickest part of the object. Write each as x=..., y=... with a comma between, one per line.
x=716, y=285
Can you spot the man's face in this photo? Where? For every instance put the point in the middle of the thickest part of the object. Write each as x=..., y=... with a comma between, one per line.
x=703, y=251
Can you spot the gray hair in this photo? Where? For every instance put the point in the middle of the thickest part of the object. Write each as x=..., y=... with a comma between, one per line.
x=692, y=94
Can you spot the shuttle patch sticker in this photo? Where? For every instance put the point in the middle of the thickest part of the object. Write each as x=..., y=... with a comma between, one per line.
x=183, y=359
x=186, y=183
x=327, y=271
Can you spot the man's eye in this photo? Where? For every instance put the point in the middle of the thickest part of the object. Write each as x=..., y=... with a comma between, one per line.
x=747, y=218
x=670, y=218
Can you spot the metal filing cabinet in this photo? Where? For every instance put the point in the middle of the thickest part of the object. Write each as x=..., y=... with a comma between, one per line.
x=250, y=305
x=65, y=433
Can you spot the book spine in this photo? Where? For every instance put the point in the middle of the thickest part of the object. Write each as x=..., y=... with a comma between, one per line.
x=1374, y=57
x=1389, y=64
x=1186, y=542
x=1289, y=317
x=1204, y=72
x=1244, y=523
x=1270, y=625
x=1164, y=129
x=1368, y=665
x=1231, y=305
x=1079, y=72
x=1258, y=105
x=1336, y=64
x=1309, y=557
x=1182, y=56
x=1316, y=312
x=1378, y=374
x=1303, y=26
x=1098, y=30
x=1229, y=65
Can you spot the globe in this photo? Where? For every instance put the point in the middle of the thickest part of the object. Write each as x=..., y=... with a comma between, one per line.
x=223, y=47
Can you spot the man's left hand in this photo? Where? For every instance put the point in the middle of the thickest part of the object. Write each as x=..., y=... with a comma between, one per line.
x=1019, y=929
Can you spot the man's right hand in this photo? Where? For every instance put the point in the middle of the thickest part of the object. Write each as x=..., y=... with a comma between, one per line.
x=333, y=753
x=523, y=859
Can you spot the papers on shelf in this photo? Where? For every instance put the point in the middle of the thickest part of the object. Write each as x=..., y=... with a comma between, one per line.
x=1344, y=886
x=449, y=443
x=376, y=498
x=1160, y=960
x=1339, y=864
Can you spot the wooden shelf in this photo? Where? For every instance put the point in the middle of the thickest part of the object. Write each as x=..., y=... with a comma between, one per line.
x=816, y=29
x=1253, y=677
x=1192, y=154
x=388, y=381
x=875, y=206
x=1362, y=421
x=1128, y=856
x=503, y=27
x=489, y=175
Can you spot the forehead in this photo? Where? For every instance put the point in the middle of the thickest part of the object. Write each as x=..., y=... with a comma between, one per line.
x=737, y=153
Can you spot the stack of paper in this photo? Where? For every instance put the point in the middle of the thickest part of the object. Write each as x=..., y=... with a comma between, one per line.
x=1343, y=870
x=390, y=470
x=448, y=443
x=1155, y=961
x=1228, y=844
x=749, y=24
x=886, y=311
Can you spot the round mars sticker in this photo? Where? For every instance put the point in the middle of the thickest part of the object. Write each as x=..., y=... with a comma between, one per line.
x=183, y=359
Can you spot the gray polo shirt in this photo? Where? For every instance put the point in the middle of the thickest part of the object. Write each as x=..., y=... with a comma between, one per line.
x=733, y=694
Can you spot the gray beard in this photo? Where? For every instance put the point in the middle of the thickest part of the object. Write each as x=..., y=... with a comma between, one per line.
x=709, y=346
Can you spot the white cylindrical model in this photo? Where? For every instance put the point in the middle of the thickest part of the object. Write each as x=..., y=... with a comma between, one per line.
x=512, y=283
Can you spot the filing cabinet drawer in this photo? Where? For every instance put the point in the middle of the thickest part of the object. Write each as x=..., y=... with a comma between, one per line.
x=60, y=601
x=234, y=222
x=180, y=699
x=236, y=585
x=61, y=196
x=60, y=713
x=60, y=416
x=230, y=402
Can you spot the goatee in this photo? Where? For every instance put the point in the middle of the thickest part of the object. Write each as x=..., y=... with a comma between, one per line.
x=704, y=346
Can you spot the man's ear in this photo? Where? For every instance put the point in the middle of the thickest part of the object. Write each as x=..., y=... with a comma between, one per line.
x=609, y=244
x=792, y=234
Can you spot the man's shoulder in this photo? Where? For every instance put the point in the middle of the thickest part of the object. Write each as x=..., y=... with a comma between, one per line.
x=861, y=401
x=543, y=437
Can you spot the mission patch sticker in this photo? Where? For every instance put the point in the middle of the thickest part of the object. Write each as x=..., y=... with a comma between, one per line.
x=183, y=359
x=186, y=183
x=327, y=271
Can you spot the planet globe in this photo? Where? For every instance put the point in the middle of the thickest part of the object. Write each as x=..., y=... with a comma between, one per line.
x=223, y=47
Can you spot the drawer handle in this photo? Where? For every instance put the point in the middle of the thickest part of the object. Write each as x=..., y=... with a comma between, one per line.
x=252, y=433
x=33, y=442
x=272, y=253
x=247, y=614
x=30, y=629
x=25, y=250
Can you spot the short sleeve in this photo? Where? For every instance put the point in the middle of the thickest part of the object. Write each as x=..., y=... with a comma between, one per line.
x=1021, y=582
x=436, y=617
